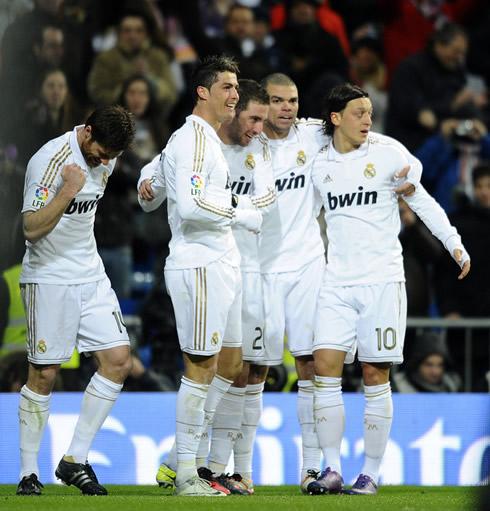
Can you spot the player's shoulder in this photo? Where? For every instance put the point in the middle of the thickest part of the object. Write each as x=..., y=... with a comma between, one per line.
x=54, y=152
x=383, y=143
x=260, y=145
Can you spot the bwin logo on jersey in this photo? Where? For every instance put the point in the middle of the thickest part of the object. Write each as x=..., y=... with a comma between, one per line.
x=293, y=182
x=369, y=171
x=82, y=207
x=240, y=187
x=249, y=162
x=301, y=159
x=359, y=198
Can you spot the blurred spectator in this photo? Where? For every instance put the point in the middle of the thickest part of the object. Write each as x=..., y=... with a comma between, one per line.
x=315, y=59
x=420, y=250
x=237, y=42
x=448, y=158
x=152, y=132
x=426, y=370
x=368, y=71
x=328, y=18
x=430, y=86
x=408, y=24
x=13, y=371
x=470, y=298
x=52, y=113
x=134, y=54
x=19, y=80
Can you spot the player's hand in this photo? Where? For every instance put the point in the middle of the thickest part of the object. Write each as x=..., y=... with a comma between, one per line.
x=74, y=178
x=407, y=189
x=145, y=192
x=458, y=256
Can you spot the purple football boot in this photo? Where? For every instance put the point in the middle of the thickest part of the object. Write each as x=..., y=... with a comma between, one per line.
x=329, y=482
x=363, y=486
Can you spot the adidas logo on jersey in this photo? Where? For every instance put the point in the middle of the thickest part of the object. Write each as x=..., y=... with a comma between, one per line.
x=327, y=179
x=82, y=207
x=359, y=198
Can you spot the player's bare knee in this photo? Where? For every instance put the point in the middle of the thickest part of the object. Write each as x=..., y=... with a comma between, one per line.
x=42, y=378
x=375, y=374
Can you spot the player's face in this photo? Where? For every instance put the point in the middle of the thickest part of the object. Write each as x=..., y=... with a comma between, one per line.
x=283, y=108
x=432, y=368
x=248, y=123
x=352, y=124
x=93, y=153
x=223, y=96
x=482, y=191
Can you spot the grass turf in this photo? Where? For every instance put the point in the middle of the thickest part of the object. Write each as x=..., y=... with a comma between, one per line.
x=266, y=498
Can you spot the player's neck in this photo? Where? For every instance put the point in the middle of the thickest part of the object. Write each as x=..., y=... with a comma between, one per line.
x=343, y=145
x=208, y=116
x=273, y=134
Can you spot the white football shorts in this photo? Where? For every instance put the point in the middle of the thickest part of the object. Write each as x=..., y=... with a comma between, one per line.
x=252, y=318
x=370, y=318
x=61, y=318
x=207, y=304
x=289, y=309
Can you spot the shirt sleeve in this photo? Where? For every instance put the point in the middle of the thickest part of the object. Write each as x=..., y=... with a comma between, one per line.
x=154, y=172
x=435, y=218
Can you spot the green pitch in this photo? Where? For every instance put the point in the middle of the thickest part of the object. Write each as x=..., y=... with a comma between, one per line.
x=266, y=498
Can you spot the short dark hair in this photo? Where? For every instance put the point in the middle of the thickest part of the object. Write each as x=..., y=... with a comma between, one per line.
x=336, y=100
x=250, y=90
x=112, y=127
x=277, y=79
x=206, y=72
x=446, y=34
x=480, y=170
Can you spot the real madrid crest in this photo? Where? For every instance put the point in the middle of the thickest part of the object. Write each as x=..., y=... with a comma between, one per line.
x=369, y=171
x=215, y=339
x=250, y=162
x=301, y=159
x=104, y=178
x=41, y=347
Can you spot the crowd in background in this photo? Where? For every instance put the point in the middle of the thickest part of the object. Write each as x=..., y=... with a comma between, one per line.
x=427, y=74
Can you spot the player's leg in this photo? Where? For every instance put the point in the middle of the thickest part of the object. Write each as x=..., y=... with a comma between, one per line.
x=229, y=363
x=381, y=334
x=301, y=300
x=244, y=444
x=202, y=298
x=102, y=333
x=51, y=333
x=334, y=339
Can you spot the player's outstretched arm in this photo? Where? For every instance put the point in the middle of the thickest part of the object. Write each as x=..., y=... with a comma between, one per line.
x=465, y=267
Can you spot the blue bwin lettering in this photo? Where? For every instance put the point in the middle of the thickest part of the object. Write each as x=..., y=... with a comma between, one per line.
x=363, y=198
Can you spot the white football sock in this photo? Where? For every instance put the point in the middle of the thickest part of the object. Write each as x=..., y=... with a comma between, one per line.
x=171, y=459
x=311, y=448
x=329, y=419
x=378, y=416
x=189, y=423
x=33, y=417
x=226, y=427
x=217, y=389
x=98, y=400
x=244, y=444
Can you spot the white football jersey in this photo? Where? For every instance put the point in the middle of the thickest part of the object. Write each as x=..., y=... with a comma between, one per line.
x=252, y=181
x=290, y=236
x=362, y=216
x=68, y=254
x=199, y=200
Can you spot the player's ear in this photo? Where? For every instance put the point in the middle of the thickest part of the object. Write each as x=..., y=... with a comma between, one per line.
x=335, y=118
x=88, y=132
x=202, y=92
